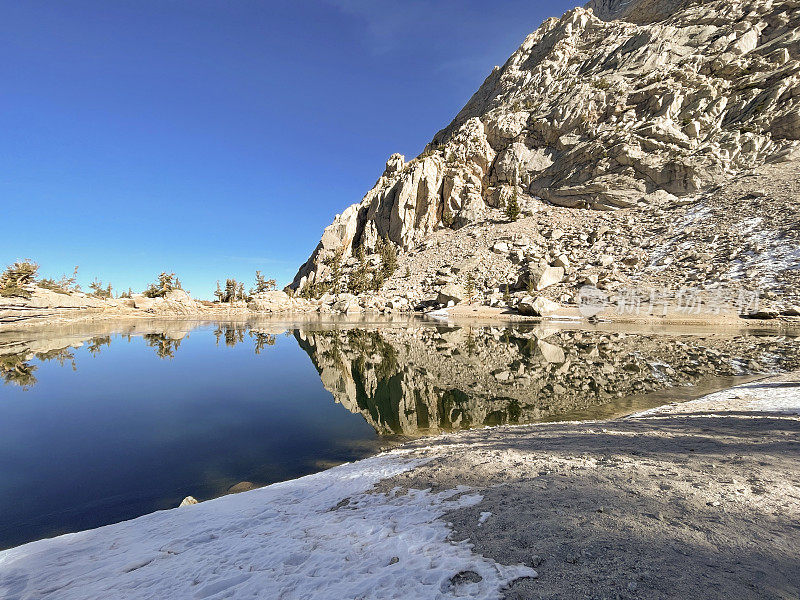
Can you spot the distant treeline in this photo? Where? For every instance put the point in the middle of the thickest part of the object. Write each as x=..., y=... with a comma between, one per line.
x=18, y=278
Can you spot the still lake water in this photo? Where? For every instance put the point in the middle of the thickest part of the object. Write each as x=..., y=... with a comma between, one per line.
x=103, y=422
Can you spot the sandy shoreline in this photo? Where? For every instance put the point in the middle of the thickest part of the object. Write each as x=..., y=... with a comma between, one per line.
x=462, y=313
x=700, y=498
x=694, y=499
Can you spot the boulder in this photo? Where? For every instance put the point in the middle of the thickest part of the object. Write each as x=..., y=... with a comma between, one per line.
x=561, y=261
x=142, y=302
x=500, y=248
x=346, y=303
x=550, y=352
x=538, y=307
x=763, y=313
x=178, y=296
x=242, y=486
x=272, y=301
x=452, y=292
x=544, y=277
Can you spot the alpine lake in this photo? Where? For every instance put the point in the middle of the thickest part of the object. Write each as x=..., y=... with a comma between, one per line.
x=108, y=420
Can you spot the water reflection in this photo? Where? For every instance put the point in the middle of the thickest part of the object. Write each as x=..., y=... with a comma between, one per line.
x=419, y=379
x=16, y=370
x=424, y=380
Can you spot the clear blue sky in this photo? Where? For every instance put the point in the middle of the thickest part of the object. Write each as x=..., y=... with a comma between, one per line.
x=216, y=137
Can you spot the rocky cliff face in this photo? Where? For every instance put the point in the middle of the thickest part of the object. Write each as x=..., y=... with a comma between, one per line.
x=596, y=113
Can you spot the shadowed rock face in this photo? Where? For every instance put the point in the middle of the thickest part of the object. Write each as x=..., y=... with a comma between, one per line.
x=425, y=380
x=636, y=11
x=597, y=113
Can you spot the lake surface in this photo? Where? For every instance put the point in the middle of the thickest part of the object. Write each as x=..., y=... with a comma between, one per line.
x=102, y=422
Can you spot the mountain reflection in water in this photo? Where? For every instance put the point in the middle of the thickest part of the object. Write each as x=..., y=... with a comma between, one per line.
x=417, y=378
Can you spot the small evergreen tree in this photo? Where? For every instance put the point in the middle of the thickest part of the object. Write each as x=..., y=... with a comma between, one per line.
x=230, y=290
x=531, y=286
x=263, y=284
x=470, y=287
x=512, y=206
x=98, y=290
x=307, y=291
x=507, y=295
x=377, y=280
x=335, y=263
x=16, y=277
x=70, y=283
x=359, y=277
x=65, y=285
x=388, y=253
x=166, y=283
x=218, y=294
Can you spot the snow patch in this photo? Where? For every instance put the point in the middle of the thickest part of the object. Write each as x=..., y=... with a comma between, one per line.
x=321, y=536
x=770, y=253
x=759, y=396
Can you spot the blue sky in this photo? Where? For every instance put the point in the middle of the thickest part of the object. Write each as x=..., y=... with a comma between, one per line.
x=212, y=137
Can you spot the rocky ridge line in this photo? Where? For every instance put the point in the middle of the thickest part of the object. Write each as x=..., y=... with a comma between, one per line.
x=597, y=114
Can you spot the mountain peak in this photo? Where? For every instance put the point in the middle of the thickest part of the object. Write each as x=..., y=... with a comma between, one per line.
x=616, y=105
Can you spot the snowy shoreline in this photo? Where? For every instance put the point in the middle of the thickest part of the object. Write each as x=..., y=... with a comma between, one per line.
x=383, y=527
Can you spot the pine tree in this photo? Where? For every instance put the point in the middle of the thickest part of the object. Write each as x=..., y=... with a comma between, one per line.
x=230, y=290
x=334, y=261
x=166, y=283
x=470, y=287
x=218, y=294
x=263, y=284
x=16, y=277
x=377, y=280
x=98, y=291
x=512, y=206
x=359, y=278
x=507, y=296
x=388, y=253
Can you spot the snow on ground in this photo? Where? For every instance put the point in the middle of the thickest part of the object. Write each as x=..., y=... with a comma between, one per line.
x=322, y=536
x=759, y=396
x=773, y=253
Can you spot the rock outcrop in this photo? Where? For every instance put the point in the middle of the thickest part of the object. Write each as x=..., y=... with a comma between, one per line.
x=621, y=104
x=45, y=303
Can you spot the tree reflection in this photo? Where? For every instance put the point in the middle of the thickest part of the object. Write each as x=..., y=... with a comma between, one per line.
x=16, y=370
x=262, y=340
x=165, y=346
x=232, y=333
x=97, y=343
x=61, y=355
